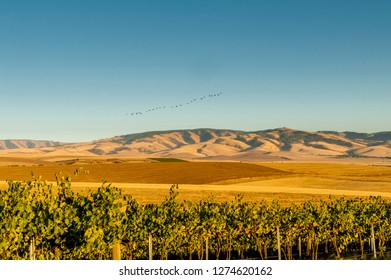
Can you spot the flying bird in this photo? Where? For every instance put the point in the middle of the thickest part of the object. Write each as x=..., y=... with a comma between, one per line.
x=189, y=102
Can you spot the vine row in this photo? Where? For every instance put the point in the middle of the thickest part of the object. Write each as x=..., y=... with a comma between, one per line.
x=63, y=224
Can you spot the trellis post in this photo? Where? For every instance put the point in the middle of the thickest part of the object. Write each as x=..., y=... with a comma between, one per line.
x=207, y=249
x=299, y=248
x=373, y=241
x=32, y=248
x=278, y=243
x=150, y=248
x=116, y=251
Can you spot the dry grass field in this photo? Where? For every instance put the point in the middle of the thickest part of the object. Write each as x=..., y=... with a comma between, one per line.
x=148, y=181
x=147, y=172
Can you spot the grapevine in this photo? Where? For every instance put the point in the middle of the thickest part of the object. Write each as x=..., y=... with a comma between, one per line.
x=63, y=224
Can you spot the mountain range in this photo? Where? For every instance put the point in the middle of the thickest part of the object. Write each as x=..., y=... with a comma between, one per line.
x=216, y=144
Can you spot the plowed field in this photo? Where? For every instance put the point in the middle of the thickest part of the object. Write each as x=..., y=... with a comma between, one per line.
x=152, y=173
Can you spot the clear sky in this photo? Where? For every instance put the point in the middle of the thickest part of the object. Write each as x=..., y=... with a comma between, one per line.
x=76, y=70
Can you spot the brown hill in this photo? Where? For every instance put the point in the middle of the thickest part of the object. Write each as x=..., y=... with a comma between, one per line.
x=28, y=144
x=219, y=144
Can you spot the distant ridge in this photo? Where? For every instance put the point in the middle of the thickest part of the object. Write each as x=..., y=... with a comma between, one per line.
x=28, y=144
x=220, y=144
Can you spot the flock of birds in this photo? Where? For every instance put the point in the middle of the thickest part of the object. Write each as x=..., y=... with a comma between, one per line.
x=175, y=106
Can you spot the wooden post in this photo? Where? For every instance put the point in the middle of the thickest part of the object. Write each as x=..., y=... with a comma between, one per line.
x=32, y=249
x=278, y=243
x=150, y=248
x=299, y=248
x=116, y=251
x=309, y=245
x=373, y=241
x=56, y=253
x=207, y=249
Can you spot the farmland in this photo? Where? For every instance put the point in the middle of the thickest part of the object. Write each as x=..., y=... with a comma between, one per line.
x=43, y=221
x=149, y=173
x=148, y=180
x=80, y=217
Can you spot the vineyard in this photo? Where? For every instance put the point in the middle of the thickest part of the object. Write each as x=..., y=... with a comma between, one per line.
x=41, y=220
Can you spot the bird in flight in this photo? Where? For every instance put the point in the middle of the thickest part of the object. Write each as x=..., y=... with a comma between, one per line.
x=174, y=106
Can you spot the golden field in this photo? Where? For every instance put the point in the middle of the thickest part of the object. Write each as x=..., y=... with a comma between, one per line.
x=148, y=181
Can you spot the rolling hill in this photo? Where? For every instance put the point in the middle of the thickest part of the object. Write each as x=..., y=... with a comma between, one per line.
x=217, y=144
x=27, y=144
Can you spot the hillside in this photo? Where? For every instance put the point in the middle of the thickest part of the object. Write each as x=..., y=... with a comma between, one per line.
x=218, y=144
x=27, y=144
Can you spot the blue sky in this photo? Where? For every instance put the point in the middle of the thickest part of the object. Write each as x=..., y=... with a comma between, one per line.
x=72, y=70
